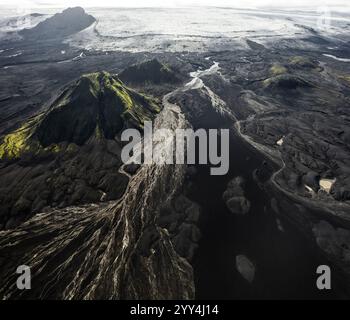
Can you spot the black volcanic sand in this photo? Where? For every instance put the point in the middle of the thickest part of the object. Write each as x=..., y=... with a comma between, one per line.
x=285, y=263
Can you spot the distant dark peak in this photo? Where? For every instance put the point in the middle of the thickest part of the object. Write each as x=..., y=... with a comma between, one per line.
x=254, y=45
x=35, y=15
x=73, y=11
x=97, y=105
x=306, y=28
x=68, y=22
x=150, y=71
x=317, y=40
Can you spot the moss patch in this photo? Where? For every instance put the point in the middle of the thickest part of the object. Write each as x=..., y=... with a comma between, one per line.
x=138, y=108
x=303, y=62
x=286, y=82
x=17, y=143
x=278, y=69
x=345, y=78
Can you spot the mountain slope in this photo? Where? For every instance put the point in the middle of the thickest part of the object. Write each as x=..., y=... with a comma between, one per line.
x=136, y=248
x=69, y=154
x=96, y=105
x=151, y=71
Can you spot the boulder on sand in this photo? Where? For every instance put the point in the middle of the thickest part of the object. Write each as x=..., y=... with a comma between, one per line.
x=234, y=197
x=245, y=267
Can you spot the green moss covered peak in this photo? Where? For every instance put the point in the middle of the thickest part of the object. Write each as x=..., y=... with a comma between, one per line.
x=97, y=105
x=278, y=69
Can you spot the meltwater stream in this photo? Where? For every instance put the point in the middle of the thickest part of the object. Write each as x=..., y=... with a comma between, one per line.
x=285, y=266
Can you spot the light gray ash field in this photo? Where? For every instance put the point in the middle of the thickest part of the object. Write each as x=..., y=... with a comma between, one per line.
x=91, y=227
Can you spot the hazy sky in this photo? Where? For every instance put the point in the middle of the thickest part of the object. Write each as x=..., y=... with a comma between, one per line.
x=174, y=3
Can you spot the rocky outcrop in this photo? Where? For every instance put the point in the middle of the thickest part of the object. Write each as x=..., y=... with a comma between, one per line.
x=234, y=197
x=245, y=267
x=181, y=220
